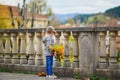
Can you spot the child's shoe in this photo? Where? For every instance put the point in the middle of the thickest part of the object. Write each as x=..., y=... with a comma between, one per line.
x=52, y=76
x=47, y=76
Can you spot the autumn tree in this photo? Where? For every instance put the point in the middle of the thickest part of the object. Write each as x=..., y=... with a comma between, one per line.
x=5, y=20
x=41, y=7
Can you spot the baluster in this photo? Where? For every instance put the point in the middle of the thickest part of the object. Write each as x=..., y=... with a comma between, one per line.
x=39, y=51
x=57, y=36
x=44, y=55
x=75, y=50
x=1, y=49
x=23, y=59
x=66, y=50
x=102, y=55
x=15, y=59
x=7, y=49
x=31, y=59
x=113, y=52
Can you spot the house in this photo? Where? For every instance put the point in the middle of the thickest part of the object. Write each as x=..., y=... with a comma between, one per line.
x=40, y=20
x=113, y=22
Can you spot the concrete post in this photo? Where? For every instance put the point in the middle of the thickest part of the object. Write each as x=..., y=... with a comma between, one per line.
x=7, y=49
x=113, y=52
x=23, y=59
x=31, y=53
x=39, y=51
x=57, y=36
x=102, y=55
x=75, y=50
x=86, y=49
x=66, y=50
x=15, y=59
x=1, y=49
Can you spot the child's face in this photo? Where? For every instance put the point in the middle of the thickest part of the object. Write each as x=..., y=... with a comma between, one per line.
x=51, y=32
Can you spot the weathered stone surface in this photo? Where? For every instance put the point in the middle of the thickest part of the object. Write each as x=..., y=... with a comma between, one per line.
x=109, y=73
x=17, y=76
x=60, y=71
x=91, y=46
x=86, y=52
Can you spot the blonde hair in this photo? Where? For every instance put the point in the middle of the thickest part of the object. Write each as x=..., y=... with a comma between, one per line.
x=50, y=29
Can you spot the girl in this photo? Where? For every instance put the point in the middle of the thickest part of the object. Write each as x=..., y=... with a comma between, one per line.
x=49, y=40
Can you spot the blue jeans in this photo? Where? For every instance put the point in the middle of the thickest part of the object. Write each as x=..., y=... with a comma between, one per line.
x=49, y=63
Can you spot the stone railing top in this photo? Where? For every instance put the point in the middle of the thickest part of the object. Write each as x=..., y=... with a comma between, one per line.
x=77, y=29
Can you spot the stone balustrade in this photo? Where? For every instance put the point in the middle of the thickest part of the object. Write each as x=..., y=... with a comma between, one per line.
x=25, y=47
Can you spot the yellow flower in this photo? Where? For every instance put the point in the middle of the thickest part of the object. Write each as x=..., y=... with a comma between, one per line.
x=62, y=63
x=61, y=57
x=99, y=58
x=107, y=53
x=118, y=59
x=56, y=47
x=58, y=53
x=51, y=47
x=60, y=49
x=71, y=38
x=118, y=63
x=71, y=58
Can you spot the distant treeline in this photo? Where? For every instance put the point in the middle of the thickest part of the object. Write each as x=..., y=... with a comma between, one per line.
x=82, y=17
x=113, y=12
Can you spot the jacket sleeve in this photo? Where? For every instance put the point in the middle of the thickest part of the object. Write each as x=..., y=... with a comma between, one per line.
x=52, y=41
x=44, y=40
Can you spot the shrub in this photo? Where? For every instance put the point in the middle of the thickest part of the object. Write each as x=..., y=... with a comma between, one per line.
x=77, y=75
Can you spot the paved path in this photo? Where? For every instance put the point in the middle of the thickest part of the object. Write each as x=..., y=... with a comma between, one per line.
x=18, y=76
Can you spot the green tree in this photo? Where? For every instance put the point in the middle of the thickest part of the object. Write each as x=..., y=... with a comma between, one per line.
x=41, y=7
x=71, y=21
x=115, y=12
x=101, y=18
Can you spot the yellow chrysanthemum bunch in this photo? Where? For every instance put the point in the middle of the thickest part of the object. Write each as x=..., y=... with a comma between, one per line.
x=71, y=38
x=58, y=53
x=71, y=53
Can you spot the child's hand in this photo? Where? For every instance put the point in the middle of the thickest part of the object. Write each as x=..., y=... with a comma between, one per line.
x=51, y=47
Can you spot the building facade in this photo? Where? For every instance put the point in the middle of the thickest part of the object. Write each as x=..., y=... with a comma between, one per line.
x=40, y=21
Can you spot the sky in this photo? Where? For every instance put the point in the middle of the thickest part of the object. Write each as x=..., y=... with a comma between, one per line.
x=75, y=6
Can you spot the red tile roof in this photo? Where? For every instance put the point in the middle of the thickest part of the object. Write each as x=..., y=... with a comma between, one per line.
x=4, y=12
x=36, y=15
x=15, y=10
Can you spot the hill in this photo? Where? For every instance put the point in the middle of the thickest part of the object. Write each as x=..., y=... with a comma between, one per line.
x=74, y=16
x=63, y=17
x=113, y=12
x=82, y=17
x=101, y=18
x=89, y=18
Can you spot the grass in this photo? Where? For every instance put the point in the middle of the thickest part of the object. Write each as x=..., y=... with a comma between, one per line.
x=95, y=77
x=4, y=70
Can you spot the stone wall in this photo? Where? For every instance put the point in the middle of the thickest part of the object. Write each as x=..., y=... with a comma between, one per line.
x=94, y=49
